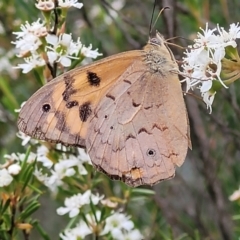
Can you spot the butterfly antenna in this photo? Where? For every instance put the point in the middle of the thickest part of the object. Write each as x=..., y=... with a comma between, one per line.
x=154, y=24
x=172, y=38
x=150, y=27
x=175, y=45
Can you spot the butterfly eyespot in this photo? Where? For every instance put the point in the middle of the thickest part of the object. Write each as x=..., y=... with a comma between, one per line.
x=151, y=152
x=46, y=107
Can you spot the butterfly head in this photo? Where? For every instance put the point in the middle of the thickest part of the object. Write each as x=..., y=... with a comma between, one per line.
x=157, y=40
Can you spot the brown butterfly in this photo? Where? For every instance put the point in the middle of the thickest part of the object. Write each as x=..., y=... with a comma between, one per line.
x=127, y=110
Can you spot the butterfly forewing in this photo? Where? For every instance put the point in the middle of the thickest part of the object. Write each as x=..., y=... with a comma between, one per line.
x=60, y=111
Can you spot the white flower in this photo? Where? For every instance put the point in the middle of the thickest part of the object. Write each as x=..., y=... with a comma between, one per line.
x=35, y=28
x=116, y=223
x=61, y=147
x=60, y=170
x=131, y=235
x=31, y=62
x=63, y=49
x=203, y=60
x=96, y=198
x=14, y=169
x=74, y=203
x=18, y=110
x=30, y=43
x=76, y=161
x=208, y=98
x=5, y=177
x=235, y=196
x=88, y=52
x=28, y=38
x=40, y=176
x=79, y=232
x=69, y=3
x=42, y=156
x=107, y=202
x=205, y=39
x=83, y=156
x=64, y=168
x=234, y=31
x=20, y=157
x=45, y=5
x=228, y=38
x=25, y=138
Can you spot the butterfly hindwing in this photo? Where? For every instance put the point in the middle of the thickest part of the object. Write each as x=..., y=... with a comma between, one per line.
x=135, y=134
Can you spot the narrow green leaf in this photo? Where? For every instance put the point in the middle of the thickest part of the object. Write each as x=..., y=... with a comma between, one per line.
x=143, y=191
x=33, y=207
x=4, y=207
x=41, y=230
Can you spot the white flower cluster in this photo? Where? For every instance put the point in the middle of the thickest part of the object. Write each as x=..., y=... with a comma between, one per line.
x=48, y=5
x=65, y=167
x=74, y=203
x=203, y=60
x=33, y=42
x=12, y=167
x=117, y=225
x=53, y=173
x=6, y=174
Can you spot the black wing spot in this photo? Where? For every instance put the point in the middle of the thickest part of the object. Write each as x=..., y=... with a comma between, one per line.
x=110, y=96
x=151, y=152
x=143, y=130
x=127, y=81
x=46, y=107
x=93, y=79
x=85, y=111
x=69, y=90
x=135, y=104
x=161, y=128
x=61, y=121
x=148, y=107
x=130, y=136
x=71, y=104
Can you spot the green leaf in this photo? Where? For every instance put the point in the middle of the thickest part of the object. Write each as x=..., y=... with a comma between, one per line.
x=33, y=207
x=143, y=191
x=41, y=230
x=4, y=207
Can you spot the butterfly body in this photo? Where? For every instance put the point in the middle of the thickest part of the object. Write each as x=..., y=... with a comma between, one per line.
x=127, y=110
